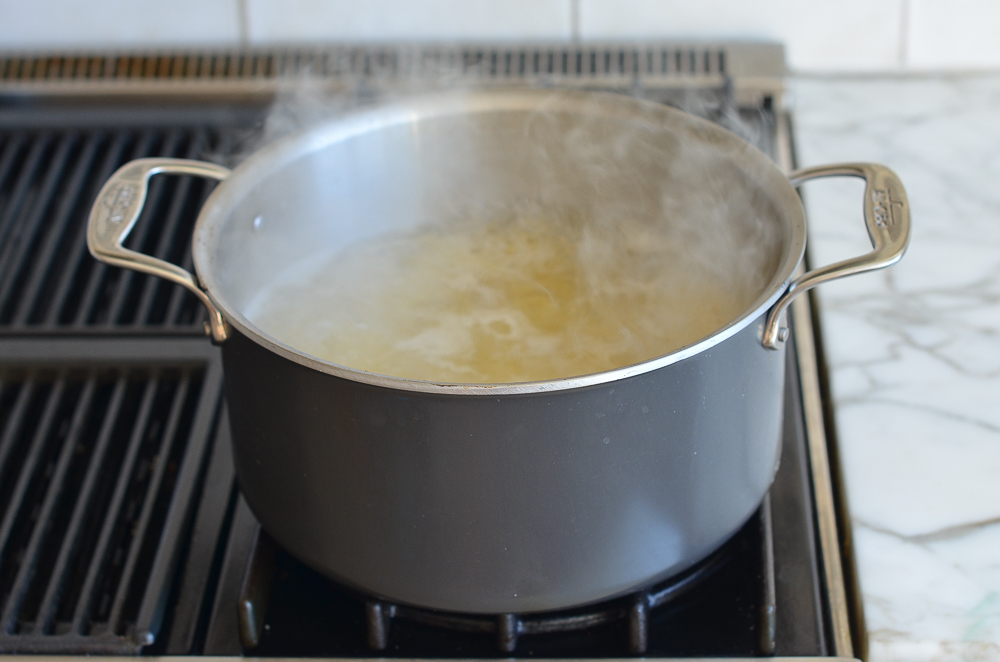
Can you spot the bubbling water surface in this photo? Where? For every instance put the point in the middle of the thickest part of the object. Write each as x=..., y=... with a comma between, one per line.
x=524, y=297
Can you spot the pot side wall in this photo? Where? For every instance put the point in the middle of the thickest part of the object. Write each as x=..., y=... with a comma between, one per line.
x=513, y=503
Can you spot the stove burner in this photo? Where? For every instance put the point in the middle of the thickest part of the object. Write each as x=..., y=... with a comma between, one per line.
x=508, y=627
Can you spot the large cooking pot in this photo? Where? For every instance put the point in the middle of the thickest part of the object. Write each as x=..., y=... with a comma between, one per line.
x=516, y=497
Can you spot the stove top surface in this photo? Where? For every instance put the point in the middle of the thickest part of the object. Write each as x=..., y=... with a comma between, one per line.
x=123, y=529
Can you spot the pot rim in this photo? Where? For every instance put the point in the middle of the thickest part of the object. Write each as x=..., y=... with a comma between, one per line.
x=216, y=211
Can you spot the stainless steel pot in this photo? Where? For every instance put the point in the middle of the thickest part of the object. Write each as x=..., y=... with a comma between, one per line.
x=501, y=498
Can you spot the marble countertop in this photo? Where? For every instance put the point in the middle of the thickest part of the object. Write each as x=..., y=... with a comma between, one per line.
x=914, y=353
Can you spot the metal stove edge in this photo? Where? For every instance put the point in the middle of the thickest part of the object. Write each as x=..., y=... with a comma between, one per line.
x=167, y=658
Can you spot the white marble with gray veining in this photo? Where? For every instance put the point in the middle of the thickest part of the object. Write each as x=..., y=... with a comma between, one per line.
x=915, y=354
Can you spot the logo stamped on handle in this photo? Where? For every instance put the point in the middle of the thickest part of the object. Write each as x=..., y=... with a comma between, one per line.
x=884, y=204
x=118, y=199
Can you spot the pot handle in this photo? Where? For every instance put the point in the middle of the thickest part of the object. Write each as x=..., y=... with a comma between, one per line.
x=887, y=217
x=116, y=210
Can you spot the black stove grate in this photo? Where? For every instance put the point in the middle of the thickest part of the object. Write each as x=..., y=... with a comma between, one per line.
x=109, y=392
x=726, y=612
x=636, y=609
x=48, y=181
x=99, y=460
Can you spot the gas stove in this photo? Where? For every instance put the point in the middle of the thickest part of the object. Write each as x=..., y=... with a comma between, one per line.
x=123, y=530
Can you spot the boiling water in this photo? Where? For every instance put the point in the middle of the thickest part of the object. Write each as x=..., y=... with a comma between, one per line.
x=524, y=298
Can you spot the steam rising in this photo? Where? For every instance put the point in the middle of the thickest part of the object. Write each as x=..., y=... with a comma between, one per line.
x=544, y=245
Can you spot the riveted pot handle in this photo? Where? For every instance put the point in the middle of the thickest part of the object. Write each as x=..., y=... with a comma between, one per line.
x=887, y=216
x=116, y=210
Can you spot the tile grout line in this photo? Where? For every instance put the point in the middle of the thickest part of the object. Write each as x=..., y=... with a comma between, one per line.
x=904, y=32
x=574, y=20
x=243, y=22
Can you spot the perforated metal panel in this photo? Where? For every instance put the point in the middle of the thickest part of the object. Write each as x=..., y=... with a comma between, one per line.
x=593, y=60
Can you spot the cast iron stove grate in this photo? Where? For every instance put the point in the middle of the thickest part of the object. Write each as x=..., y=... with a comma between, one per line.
x=633, y=611
x=101, y=452
x=610, y=627
x=48, y=180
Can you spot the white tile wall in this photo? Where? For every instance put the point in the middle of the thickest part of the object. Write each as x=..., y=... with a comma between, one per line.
x=317, y=20
x=53, y=24
x=820, y=35
x=953, y=34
